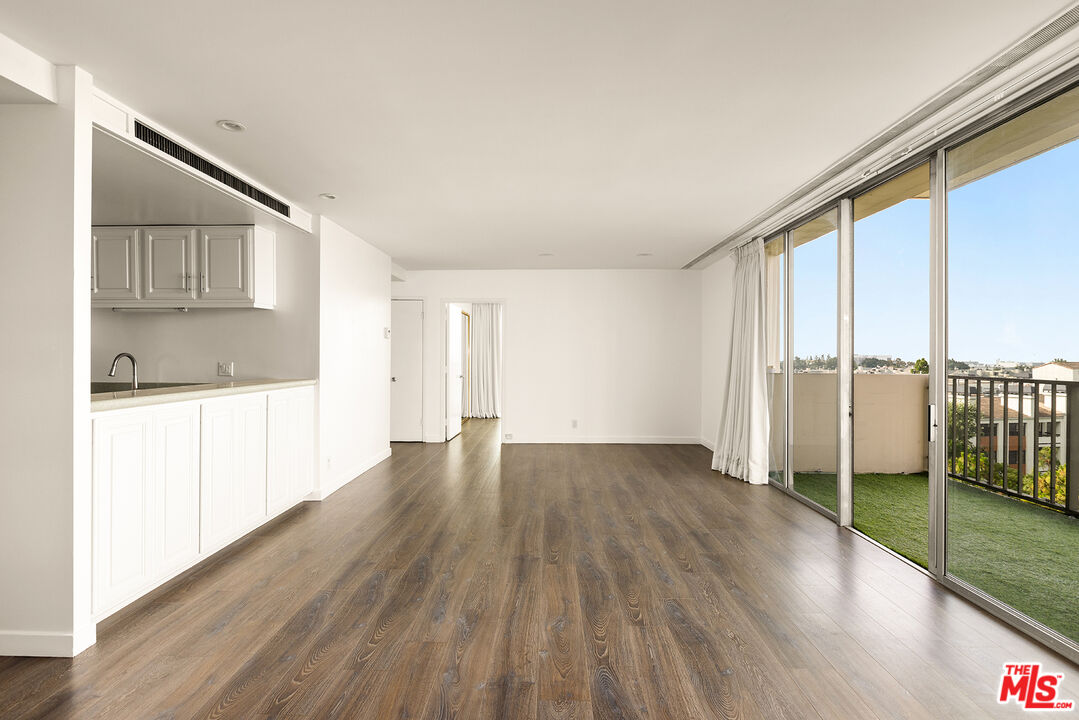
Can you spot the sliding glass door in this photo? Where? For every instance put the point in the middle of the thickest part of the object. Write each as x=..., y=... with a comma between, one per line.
x=940, y=304
x=890, y=485
x=814, y=387
x=775, y=340
x=1013, y=367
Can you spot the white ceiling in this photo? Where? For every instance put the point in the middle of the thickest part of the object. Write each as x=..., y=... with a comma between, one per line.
x=478, y=134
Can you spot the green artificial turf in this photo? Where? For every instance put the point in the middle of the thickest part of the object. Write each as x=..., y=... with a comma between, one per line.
x=1025, y=555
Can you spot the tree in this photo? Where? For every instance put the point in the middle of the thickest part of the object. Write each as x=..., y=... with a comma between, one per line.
x=964, y=418
x=921, y=367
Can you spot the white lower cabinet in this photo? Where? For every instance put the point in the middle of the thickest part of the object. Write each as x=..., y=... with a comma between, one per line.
x=290, y=453
x=174, y=483
x=233, y=468
x=122, y=507
x=176, y=486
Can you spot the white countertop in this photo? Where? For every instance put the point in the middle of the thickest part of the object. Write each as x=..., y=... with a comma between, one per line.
x=100, y=402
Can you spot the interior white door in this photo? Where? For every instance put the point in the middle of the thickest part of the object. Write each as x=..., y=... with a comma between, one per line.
x=406, y=371
x=455, y=372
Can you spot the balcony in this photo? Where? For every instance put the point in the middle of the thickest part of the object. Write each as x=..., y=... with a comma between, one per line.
x=1005, y=528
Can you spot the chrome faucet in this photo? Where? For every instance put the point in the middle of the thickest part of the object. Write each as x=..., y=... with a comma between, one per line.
x=134, y=369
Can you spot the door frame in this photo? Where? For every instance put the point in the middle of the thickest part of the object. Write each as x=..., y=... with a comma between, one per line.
x=444, y=418
x=423, y=330
x=444, y=304
x=466, y=404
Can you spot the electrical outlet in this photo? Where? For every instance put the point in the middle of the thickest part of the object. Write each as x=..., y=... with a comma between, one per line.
x=508, y=436
x=573, y=423
x=226, y=369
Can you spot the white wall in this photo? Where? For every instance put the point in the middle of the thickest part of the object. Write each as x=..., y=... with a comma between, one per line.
x=618, y=350
x=717, y=312
x=279, y=343
x=45, y=176
x=354, y=356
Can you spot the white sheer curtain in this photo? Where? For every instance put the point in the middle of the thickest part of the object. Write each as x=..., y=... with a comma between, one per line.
x=742, y=441
x=486, y=360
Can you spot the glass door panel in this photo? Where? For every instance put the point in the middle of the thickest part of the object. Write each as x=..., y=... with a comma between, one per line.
x=814, y=291
x=1013, y=368
x=775, y=309
x=890, y=488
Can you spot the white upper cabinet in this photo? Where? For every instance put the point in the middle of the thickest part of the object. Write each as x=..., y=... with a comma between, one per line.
x=226, y=264
x=168, y=258
x=204, y=267
x=114, y=263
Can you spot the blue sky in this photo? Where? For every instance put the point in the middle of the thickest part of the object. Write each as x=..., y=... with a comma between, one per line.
x=1013, y=271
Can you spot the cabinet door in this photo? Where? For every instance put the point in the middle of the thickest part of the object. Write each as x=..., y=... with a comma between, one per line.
x=233, y=483
x=279, y=453
x=176, y=486
x=123, y=500
x=304, y=478
x=114, y=263
x=225, y=264
x=251, y=457
x=169, y=263
x=289, y=448
x=218, y=516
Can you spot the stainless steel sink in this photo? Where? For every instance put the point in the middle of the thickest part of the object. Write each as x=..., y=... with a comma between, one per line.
x=104, y=387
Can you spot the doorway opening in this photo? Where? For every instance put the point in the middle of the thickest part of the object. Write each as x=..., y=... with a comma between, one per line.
x=473, y=364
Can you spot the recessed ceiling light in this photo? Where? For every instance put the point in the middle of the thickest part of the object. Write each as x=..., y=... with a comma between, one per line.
x=644, y=254
x=546, y=254
x=327, y=196
x=231, y=125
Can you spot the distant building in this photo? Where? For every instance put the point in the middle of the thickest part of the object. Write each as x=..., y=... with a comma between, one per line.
x=1013, y=417
x=1057, y=370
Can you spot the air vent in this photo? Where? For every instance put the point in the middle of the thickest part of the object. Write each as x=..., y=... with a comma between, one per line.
x=155, y=139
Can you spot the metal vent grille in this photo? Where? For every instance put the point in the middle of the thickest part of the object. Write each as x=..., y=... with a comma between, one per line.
x=155, y=139
x=1043, y=36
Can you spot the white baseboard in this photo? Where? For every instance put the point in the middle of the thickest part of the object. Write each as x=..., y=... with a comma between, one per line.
x=604, y=439
x=47, y=644
x=711, y=445
x=344, y=478
x=434, y=438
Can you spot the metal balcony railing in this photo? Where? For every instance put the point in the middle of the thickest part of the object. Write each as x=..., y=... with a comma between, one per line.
x=997, y=440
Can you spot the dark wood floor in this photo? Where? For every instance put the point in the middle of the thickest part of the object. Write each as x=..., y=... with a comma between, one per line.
x=555, y=581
